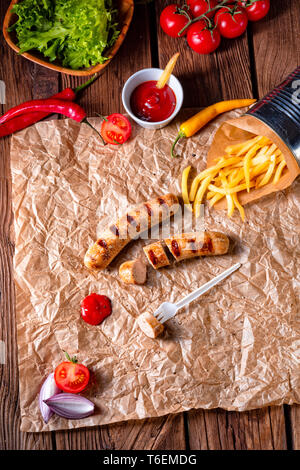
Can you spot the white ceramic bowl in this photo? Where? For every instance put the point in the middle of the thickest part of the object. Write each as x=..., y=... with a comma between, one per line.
x=143, y=76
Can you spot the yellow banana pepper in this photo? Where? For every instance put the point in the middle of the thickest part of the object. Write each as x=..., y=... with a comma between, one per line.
x=195, y=123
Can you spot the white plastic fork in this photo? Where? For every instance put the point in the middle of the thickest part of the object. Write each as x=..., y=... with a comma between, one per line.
x=168, y=310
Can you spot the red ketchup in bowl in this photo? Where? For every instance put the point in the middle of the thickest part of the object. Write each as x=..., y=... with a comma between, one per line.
x=152, y=104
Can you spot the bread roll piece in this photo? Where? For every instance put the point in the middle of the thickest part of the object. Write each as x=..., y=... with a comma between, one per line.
x=117, y=235
x=190, y=245
x=156, y=255
x=133, y=272
x=150, y=325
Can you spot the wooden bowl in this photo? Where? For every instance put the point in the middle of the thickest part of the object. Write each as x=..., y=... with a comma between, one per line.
x=125, y=8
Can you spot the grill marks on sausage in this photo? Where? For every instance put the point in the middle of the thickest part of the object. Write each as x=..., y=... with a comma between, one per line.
x=114, y=229
x=134, y=222
x=175, y=248
x=161, y=201
x=207, y=246
x=149, y=210
x=131, y=220
x=192, y=246
x=102, y=243
x=152, y=257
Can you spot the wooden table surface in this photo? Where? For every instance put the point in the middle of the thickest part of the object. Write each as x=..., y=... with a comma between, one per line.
x=246, y=67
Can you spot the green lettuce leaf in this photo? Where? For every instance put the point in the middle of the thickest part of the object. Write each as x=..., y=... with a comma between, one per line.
x=75, y=32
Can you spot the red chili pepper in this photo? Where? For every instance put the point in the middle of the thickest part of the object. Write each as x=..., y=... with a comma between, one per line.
x=25, y=120
x=67, y=108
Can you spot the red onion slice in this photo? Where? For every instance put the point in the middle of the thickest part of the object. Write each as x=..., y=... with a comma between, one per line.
x=70, y=405
x=49, y=388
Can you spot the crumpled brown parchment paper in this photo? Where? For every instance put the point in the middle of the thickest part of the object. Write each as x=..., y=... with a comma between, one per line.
x=237, y=347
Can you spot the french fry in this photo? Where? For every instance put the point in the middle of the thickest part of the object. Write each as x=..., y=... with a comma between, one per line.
x=184, y=188
x=259, y=169
x=230, y=203
x=215, y=199
x=210, y=195
x=271, y=150
x=247, y=161
x=266, y=178
x=279, y=171
x=168, y=71
x=236, y=189
x=200, y=194
x=238, y=206
x=235, y=181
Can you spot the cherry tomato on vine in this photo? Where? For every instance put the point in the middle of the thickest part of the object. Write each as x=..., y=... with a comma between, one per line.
x=202, y=39
x=95, y=308
x=115, y=129
x=70, y=376
x=231, y=22
x=199, y=7
x=172, y=20
x=256, y=10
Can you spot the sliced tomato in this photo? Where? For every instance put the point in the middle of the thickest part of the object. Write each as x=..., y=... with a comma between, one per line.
x=116, y=129
x=71, y=377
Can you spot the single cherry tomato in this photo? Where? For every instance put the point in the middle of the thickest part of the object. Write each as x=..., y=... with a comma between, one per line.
x=231, y=22
x=71, y=377
x=199, y=7
x=94, y=308
x=256, y=10
x=172, y=20
x=202, y=39
x=116, y=129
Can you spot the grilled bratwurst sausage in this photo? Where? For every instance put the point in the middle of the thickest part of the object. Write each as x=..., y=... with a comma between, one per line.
x=156, y=255
x=190, y=245
x=115, y=237
x=133, y=272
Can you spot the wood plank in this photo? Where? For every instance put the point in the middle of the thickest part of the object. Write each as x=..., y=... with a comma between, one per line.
x=262, y=429
x=149, y=434
x=206, y=79
x=22, y=82
x=294, y=414
x=276, y=44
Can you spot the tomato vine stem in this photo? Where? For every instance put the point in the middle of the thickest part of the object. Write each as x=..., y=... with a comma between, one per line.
x=223, y=4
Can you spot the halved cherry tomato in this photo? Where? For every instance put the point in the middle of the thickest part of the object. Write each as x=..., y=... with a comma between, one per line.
x=94, y=308
x=231, y=22
x=202, y=39
x=256, y=10
x=116, y=129
x=71, y=377
x=199, y=7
